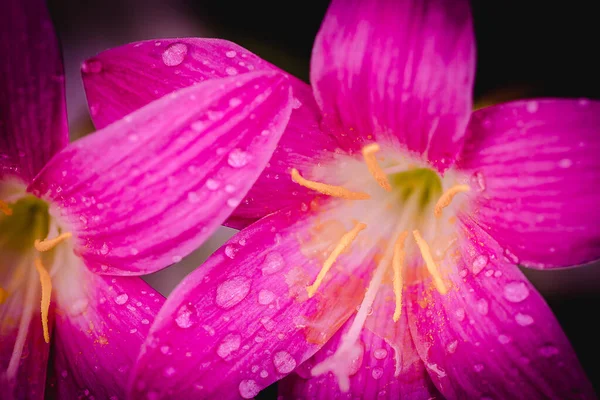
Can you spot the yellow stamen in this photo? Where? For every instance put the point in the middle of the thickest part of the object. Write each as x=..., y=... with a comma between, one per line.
x=46, y=293
x=49, y=244
x=330, y=190
x=3, y=295
x=368, y=153
x=431, y=267
x=446, y=198
x=342, y=245
x=4, y=208
x=398, y=264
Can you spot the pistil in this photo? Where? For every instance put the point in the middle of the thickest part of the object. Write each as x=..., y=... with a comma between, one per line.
x=46, y=294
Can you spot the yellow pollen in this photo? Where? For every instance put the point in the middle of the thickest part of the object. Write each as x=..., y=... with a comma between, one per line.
x=49, y=244
x=397, y=265
x=446, y=198
x=4, y=208
x=431, y=267
x=330, y=190
x=46, y=293
x=368, y=153
x=3, y=295
x=342, y=245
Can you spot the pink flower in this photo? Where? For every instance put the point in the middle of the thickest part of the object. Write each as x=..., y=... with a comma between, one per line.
x=78, y=222
x=384, y=262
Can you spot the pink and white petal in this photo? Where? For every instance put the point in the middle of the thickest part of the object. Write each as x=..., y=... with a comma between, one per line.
x=121, y=80
x=388, y=366
x=100, y=326
x=243, y=320
x=23, y=351
x=534, y=163
x=492, y=335
x=149, y=189
x=33, y=118
x=399, y=72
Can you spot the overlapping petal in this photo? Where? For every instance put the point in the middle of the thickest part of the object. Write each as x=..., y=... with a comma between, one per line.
x=492, y=335
x=534, y=164
x=147, y=190
x=100, y=326
x=121, y=80
x=33, y=119
x=397, y=71
x=244, y=316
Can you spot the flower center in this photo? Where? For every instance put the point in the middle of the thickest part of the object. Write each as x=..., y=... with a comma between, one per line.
x=25, y=225
x=410, y=214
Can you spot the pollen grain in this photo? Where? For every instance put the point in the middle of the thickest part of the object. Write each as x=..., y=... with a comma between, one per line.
x=330, y=190
x=431, y=267
x=368, y=153
x=397, y=265
x=446, y=198
x=49, y=244
x=342, y=245
x=46, y=294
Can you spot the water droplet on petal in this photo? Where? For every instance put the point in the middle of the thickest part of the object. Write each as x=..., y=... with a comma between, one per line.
x=92, y=66
x=503, y=339
x=229, y=344
x=121, y=299
x=510, y=256
x=174, y=54
x=184, y=318
x=478, y=367
x=532, y=106
x=248, y=388
x=230, y=54
x=211, y=184
x=169, y=372
x=104, y=249
x=460, y=314
x=234, y=102
x=451, y=347
x=565, y=163
x=238, y=158
x=273, y=263
x=231, y=251
x=548, y=351
x=516, y=292
x=479, y=263
x=231, y=71
x=265, y=297
x=377, y=372
x=284, y=362
x=232, y=291
x=380, y=354
x=524, y=319
x=482, y=306
x=193, y=197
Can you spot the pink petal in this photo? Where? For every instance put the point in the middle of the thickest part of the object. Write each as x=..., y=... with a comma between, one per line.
x=534, y=163
x=147, y=190
x=243, y=319
x=99, y=329
x=397, y=71
x=492, y=335
x=387, y=368
x=23, y=351
x=33, y=119
x=121, y=80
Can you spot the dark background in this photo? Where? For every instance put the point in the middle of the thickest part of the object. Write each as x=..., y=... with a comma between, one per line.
x=524, y=49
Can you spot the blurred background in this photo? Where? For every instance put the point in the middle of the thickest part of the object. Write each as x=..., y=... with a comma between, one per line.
x=523, y=50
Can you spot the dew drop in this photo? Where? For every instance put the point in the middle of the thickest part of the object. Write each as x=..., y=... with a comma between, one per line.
x=451, y=347
x=169, y=372
x=230, y=54
x=234, y=102
x=482, y=306
x=479, y=263
x=284, y=362
x=121, y=299
x=532, y=106
x=231, y=71
x=296, y=103
x=380, y=354
x=548, y=351
x=174, y=54
x=233, y=202
x=212, y=184
x=478, y=367
x=516, y=292
x=104, y=249
x=503, y=339
x=238, y=158
x=377, y=372
x=524, y=319
x=193, y=197
x=460, y=314
x=565, y=163
x=248, y=388
x=265, y=297
x=92, y=66
x=273, y=263
x=184, y=317
x=229, y=344
x=232, y=291
x=231, y=251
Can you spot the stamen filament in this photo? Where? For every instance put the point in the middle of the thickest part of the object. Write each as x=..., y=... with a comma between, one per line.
x=397, y=265
x=49, y=244
x=46, y=293
x=431, y=267
x=330, y=190
x=342, y=245
x=5, y=208
x=380, y=176
x=446, y=198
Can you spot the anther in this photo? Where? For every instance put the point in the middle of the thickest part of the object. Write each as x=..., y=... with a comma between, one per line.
x=380, y=176
x=330, y=190
x=5, y=209
x=342, y=245
x=431, y=267
x=446, y=198
x=49, y=244
x=46, y=294
x=397, y=265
